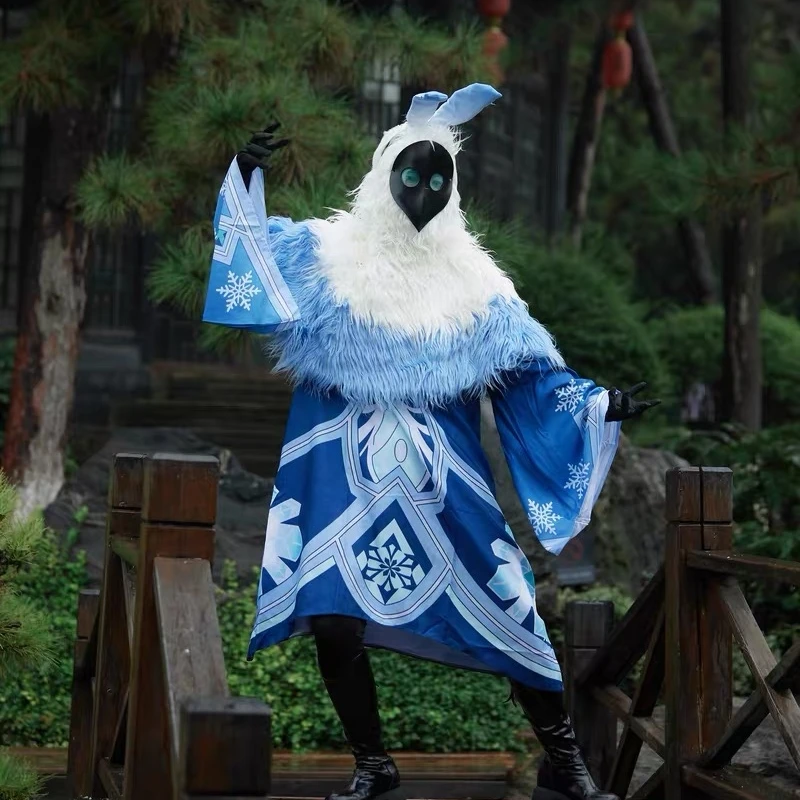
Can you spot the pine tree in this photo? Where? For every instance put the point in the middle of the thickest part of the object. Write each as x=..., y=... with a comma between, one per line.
x=24, y=635
x=215, y=71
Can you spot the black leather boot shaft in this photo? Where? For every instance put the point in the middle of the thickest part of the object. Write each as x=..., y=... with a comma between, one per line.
x=563, y=773
x=348, y=677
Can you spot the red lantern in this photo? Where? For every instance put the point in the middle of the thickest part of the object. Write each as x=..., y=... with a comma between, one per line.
x=495, y=9
x=622, y=22
x=494, y=40
x=617, y=63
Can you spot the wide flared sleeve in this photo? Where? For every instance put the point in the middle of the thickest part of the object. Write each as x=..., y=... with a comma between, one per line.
x=246, y=288
x=558, y=446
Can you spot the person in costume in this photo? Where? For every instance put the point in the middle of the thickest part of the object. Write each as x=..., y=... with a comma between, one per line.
x=384, y=531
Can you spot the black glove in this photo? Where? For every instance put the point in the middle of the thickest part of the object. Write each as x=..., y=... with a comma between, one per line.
x=257, y=151
x=622, y=405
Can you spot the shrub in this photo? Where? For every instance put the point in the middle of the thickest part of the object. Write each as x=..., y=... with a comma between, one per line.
x=690, y=341
x=35, y=702
x=583, y=303
x=424, y=706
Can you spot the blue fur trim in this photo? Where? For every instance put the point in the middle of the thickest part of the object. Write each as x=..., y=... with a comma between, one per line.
x=330, y=350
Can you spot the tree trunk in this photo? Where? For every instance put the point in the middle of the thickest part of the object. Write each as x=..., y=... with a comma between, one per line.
x=742, y=270
x=692, y=236
x=584, y=144
x=53, y=304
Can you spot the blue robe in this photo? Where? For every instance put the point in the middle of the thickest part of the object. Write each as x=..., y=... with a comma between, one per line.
x=384, y=505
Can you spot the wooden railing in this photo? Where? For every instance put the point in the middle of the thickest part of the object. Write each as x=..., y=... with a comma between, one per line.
x=684, y=624
x=152, y=718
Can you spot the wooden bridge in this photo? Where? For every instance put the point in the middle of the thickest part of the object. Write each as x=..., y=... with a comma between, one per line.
x=152, y=718
x=684, y=625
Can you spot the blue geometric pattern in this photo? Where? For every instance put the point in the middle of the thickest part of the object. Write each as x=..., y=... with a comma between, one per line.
x=417, y=545
x=246, y=289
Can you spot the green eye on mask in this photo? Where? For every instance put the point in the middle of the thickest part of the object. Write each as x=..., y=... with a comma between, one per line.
x=437, y=181
x=410, y=177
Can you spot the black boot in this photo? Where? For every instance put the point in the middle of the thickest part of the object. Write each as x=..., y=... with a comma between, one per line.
x=348, y=678
x=563, y=774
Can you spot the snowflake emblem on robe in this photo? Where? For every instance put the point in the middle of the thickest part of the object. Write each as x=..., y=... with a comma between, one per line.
x=570, y=396
x=389, y=566
x=238, y=291
x=542, y=517
x=578, y=477
x=284, y=541
x=513, y=580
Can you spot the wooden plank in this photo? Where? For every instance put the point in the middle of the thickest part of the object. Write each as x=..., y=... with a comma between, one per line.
x=148, y=754
x=481, y=767
x=224, y=747
x=113, y=665
x=682, y=676
x=643, y=704
x=646, y=728
x=127, y=482
x=781, y=704
x=752, y=713
x=181, y=489
x=716, y=496
x=110, y=780
x=129, y=592
x=628, y=640
x=310, y=786
x=191, y=481
x=684, y=495
x=80, y=728
x=190, y=641
x=652, y=788
x=587, y=626
x=746, y=566
x=714, y=636
x=731, y=783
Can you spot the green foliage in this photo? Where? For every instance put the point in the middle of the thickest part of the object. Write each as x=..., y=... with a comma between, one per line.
x=287, y=61
x=26, y=645
x=424, y=706
x=18, y=781
x=35, y=702
x=575, y=294
x=690, y=341
x=766, y=468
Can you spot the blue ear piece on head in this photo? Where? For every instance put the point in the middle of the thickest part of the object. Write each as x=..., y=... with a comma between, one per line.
x=465, y=104
x=422, y=107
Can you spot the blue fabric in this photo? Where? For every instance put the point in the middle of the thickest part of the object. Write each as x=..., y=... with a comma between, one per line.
x=387, y=513
x=329, y=350
x=245, y=287
x=422, y=107
x=465, y=104
x=558, y=447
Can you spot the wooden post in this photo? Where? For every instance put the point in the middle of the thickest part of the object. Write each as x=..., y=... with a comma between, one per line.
x=79, y=758
x=698, y=643
x=224, y=748
x=587, y=627
x=178, y=513
x=113, y=650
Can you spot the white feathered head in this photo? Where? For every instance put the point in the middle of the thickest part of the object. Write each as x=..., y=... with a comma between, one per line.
x=413, y=180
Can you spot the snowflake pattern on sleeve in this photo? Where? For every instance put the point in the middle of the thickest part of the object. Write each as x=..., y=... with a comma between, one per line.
x=238, y=292
x=579, y=475
x=571, y=396
x=542, y=517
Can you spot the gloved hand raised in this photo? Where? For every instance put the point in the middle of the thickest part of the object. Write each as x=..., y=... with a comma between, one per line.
x=257, y=151
x=622, y=405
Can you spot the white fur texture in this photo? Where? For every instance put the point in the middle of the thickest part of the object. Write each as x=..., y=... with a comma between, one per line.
x=418, y=283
